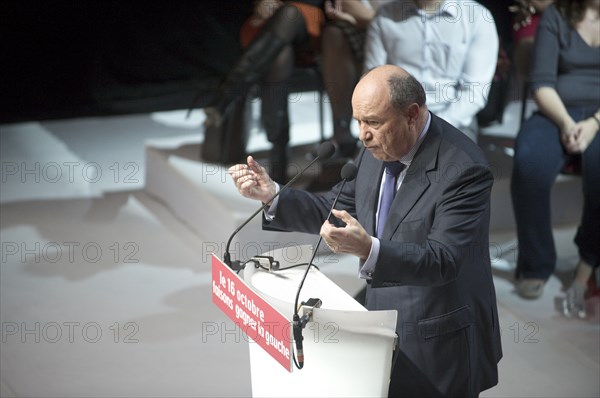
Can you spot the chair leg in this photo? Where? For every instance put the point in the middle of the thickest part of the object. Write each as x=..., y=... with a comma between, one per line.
x=524, y=95
x=321, y=117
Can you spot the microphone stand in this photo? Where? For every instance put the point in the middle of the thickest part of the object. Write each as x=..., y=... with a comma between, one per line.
x=348, y=174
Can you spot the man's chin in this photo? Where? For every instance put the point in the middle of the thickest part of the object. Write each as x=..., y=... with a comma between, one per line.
x=379, y=154
x=376, y=152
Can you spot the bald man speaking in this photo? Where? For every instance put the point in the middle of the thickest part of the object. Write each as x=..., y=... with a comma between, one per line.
x=417, y=217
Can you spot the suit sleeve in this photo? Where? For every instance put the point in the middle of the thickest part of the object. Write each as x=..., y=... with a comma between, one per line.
x=457, y=235
x=303, y=211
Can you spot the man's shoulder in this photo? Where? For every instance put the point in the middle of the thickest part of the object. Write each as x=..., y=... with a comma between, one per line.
x=454, y=144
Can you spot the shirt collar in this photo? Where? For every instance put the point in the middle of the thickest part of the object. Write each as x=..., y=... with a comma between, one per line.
x=407, y=159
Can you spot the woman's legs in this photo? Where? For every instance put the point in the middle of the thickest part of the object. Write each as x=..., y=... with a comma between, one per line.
x=269, y=59
x=274, y=112
x=539, y=157
x=588, y=233
x=286, y=27
x=340, y=74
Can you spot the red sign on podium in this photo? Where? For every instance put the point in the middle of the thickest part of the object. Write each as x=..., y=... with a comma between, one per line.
x=251, y=313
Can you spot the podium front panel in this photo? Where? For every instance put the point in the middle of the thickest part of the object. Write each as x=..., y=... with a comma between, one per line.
x=347, y=349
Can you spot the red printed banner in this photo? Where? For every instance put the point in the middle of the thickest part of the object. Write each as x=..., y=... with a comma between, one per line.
x=251, y=313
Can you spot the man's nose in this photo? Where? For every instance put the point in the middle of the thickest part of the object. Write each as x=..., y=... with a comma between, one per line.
x=363, y=132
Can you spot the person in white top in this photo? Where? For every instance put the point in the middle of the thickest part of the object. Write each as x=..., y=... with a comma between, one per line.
x=450, y=46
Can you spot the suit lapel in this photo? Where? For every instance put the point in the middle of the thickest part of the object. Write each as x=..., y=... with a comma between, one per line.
x=416, y=181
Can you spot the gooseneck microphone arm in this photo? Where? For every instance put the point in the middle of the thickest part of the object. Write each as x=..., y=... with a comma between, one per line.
x=348, y=173
x=325, y=151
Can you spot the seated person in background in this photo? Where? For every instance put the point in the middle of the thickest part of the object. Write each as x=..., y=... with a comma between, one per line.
x=451, y=47
x=526, y=20
x=277, y=35
x=342, y=62
x=565, y=82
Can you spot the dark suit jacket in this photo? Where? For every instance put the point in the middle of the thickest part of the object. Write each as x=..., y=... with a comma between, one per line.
x=433, y=265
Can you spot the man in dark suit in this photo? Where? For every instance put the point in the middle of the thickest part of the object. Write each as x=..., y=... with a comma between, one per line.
x=426, y=253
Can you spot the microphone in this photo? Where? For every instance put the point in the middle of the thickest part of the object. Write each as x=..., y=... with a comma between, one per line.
x=348, y=173
x=325, y=151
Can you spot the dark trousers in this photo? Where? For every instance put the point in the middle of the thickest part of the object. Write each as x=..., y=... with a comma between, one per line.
x=539, y=158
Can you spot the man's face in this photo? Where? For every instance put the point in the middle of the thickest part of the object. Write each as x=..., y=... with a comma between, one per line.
x=386, y=132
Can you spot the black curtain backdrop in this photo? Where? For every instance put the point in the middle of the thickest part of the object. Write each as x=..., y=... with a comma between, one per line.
x=96, y=57
x=71, y=58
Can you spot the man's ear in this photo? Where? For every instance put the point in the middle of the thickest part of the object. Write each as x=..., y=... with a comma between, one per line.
x=412, y=112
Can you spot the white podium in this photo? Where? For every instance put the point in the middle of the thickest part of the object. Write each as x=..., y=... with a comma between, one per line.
x=347, y=349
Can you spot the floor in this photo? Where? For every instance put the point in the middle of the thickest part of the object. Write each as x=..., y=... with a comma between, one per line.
x=106, y=292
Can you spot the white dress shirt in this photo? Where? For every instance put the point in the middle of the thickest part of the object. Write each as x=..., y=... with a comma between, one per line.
x=453, y=53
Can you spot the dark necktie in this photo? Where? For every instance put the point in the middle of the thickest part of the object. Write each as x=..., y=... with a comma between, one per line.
x=392, y=171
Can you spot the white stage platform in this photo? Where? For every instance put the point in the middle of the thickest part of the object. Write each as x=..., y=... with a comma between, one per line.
x=137, y=320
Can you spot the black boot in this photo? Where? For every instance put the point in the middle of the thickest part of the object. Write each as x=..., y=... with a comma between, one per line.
x=252, y=66
x=275, y=120
x=278, y=159
x=285, y=27
x=345, y=142
x=225, y=127
x=278, y=162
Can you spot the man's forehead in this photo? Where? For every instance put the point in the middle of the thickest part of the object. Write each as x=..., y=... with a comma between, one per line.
x=371, y=90
x=371, y=97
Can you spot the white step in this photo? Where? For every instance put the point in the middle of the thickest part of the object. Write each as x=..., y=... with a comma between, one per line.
x=204, y=198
